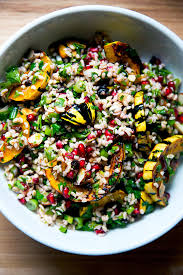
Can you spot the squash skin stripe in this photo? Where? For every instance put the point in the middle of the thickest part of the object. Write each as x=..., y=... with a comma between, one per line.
x=144, y=198
x=174, y=146
x=140, y=122
x=80, y=114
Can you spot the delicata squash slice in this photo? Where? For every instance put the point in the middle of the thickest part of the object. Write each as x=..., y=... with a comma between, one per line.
x=156, y=167
x=117, y=196
x=90, y=191
x=140, y=121
x=80, y=114
x=121, y=52
x=34, y=91
x=10, y=153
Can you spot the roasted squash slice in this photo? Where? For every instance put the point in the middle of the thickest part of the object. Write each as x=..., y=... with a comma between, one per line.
x=117, y=196
x=30, y=93
x=143, y=200
x=80, y=114
x=84, y=194
x=9, y=154
x=153, y=167
x=140, y=121
x=121, y=52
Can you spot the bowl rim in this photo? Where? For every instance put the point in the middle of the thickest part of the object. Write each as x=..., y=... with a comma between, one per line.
x=84, y=8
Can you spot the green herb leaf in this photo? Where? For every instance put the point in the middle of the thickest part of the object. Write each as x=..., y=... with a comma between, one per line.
x=13, y=75
x=41, y=64
x=39, y=196
x=32, y=66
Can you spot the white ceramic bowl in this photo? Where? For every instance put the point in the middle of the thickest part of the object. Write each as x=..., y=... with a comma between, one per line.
x=149, y=38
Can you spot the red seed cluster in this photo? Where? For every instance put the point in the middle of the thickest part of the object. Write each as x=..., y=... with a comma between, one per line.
x=139, y=175
x=66, y=192
x=51, y=198
x=31, y=117
x=59, y=144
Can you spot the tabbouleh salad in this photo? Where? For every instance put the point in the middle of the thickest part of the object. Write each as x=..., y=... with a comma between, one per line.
x=90, y=135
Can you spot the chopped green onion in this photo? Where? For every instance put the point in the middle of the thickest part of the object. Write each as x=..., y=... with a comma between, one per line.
x=63, y=229
x=79, y=222
x=13, y=113
x=69, y=219
x=103, y=153
x=79, y=87
x=130, y=210
x=32, y=205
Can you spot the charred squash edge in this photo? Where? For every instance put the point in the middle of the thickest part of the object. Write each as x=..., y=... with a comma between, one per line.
x=171, y=145
x=12, y=153
x=140, y=121
x=90, y=195
x=30, y=94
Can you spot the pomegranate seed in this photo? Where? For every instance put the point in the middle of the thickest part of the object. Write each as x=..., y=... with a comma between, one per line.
x=99, y=133
x=96, y=167
x=94, y=50
x=168, y=91
x=87, y=67
x=90, y=136
x=75, y=152
x=145, y=82
x=180, y=118
x=136, y=211
x=171, y=84
x=101, y=60
x=88, y=174
x=100, y=106
x=145, y=66
x=22, y=200
x=66, y=193
x=114, y=93
x=22, y=160
x=139, y=175
x=3, y=137
x=99, y=231
x=82, y=163
x=35, y=180
x=71, y=175
x=176, y=113
x=160, y=79
x=108, y=133
x=112, y=122
x=31, y=117
x=89, y=149
x=111, y=137
x=81, y=149
x=86, y=99
x=68, y=204
x=89, y=56
x=26, y=187
x=51, y=198
x=116, y=211
x=69, y=156
x=59, y=144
